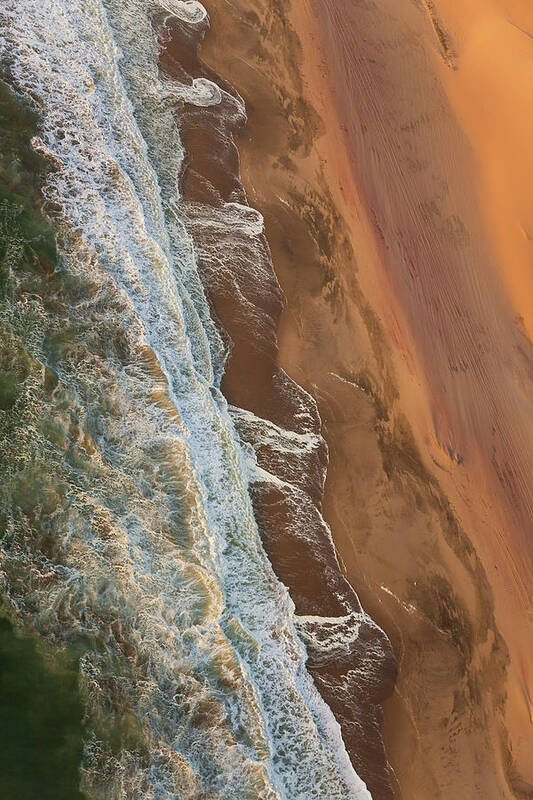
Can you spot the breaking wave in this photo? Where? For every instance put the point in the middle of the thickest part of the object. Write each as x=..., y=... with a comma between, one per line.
x=130, y=530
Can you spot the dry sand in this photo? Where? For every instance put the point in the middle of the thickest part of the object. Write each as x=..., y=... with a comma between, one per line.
x=388, y=147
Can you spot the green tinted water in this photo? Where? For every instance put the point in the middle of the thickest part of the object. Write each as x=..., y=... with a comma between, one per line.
x=41, y=722
x=40, y=708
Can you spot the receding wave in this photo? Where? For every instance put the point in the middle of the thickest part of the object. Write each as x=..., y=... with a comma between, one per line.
x=128, y=527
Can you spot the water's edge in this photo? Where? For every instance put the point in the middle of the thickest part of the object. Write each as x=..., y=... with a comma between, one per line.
x=350, y=658
x=128, y=532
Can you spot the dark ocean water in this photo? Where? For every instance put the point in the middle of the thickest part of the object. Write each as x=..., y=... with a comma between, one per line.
x=41, y=737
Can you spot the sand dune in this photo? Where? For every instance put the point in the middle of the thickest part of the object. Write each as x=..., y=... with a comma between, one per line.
x=437, y=125
x=490, y=93
x=438, y=128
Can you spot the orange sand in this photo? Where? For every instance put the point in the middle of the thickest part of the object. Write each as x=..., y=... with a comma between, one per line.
x=405, y=326
x=450, y=210
x=491, y=92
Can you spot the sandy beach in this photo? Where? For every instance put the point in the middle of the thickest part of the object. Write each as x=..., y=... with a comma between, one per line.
x=266, y=399
x=353, y=667
x=391, y=163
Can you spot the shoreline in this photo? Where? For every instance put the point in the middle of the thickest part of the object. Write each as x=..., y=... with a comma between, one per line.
x=399, y=519
x=349, y=656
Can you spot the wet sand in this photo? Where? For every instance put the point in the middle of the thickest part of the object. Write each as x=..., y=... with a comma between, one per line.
x=350, y=658
x=408, y=325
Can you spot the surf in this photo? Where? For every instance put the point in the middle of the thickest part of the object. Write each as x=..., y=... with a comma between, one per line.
x=131, y=531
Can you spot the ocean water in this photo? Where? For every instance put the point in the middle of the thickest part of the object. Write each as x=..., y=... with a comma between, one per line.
x=128, y=537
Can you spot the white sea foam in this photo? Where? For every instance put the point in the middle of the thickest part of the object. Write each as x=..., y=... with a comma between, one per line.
x=188, y=10
x=201, y=92
x=161, y=559
x=329, y=635
x=272, y=435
